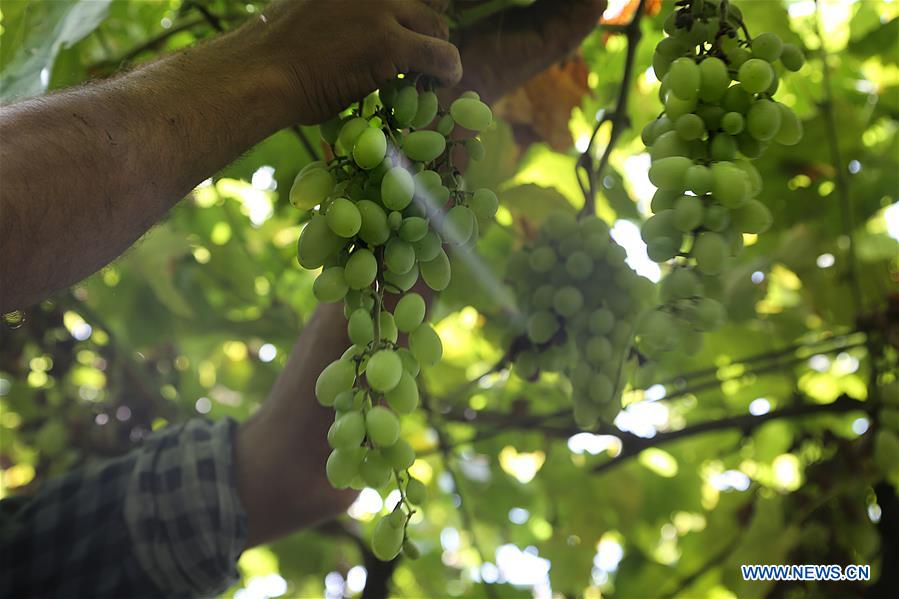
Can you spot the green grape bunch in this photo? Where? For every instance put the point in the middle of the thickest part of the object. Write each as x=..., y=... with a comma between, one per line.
x=581, y=303
x=382, y=215
x=717, y=87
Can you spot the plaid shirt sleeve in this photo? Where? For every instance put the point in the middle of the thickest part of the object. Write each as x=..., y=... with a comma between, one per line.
x=162, y=521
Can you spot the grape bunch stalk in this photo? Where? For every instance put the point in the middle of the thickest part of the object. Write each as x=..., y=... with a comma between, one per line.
x=717, y=87
x=582, y=302
x=379, y=216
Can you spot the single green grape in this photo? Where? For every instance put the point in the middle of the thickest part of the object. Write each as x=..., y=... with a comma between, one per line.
x=416, y=492
x=343, y=217
x=397, y=188
x=383, y=371
x=330, y=286
x=382, y=425
x=471, y=113
x=713, y=79
x=699, y=179
x=343, y=466
x=732, y=123
x=400, y=455
x=399, y=256
x=338, y=376
x=413, y=229
x=387, y=324
x=681, y=283
x=374, y=230
x=437, y=271
x=458, y=225
x=710, y=251
x=767, y=46
x=790, y=131
x=428, y=247
x=348, y=431
x=670, y=173
x=361, y=269
x=690, y=127
x=763, y=120
x=484, y=203
x=568, y=301
x=404, y=397
x=791, y=57
x=386, y=541
x=425, y=345
x=688, y=212
x=542, y=325
x=475, y=149
x=424, y=146
x=405, y=105
x=427, y=110
x=310, y=188
x=684, y=78
x=360, y=327
x=752, y=217
x=370, y=148
x=409, y=312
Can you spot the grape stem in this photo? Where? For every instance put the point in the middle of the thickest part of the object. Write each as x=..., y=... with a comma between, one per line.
x=618, y=117
x=399, y=486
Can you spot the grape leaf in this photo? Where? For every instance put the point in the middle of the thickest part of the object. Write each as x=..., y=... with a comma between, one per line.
x=54, y=25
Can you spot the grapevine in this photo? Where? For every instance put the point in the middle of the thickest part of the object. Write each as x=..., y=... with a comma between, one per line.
x=717, y=87
x=380, y=214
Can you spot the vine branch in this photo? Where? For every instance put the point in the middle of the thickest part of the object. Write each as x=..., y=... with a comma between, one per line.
x=745, y=423
x=830, y=345
x=810, y=348
x=154, y=42
x=633, y=444
x=618, y=117
x=304, y=141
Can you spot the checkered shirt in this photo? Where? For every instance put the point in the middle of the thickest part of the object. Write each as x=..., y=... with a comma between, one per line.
x=162, y=521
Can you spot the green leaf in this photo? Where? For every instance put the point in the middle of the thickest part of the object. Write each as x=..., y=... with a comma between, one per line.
x=155, y=257
x=882, y=42
x=53, y=25
x=531, y=203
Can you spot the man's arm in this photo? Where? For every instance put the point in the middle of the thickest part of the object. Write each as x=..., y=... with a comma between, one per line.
x=85, y=172
x=280, y=453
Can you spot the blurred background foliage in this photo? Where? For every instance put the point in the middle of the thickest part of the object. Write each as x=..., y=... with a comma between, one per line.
x=756, y=450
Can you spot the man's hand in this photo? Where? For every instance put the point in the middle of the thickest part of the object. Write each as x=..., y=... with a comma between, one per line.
x=123, y=151
x=333, y=52
x=508, y=49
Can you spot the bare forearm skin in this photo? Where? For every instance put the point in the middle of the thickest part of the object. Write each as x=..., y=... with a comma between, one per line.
x=84, y=173
x=281, y=451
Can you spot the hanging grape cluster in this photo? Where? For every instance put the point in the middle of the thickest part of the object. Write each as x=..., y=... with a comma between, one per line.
x=581, y=302
x=381, y=213
x=717, y=87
